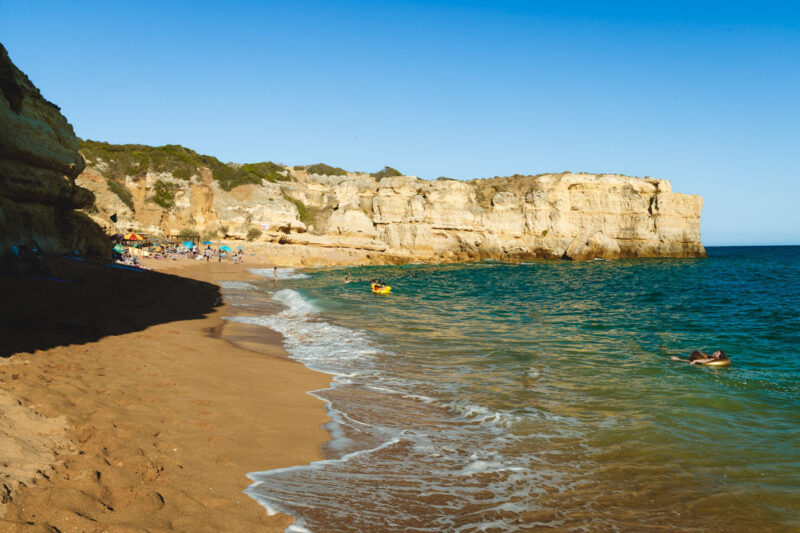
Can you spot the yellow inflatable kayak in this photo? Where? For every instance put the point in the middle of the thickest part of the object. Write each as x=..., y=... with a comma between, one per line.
x=376, y=289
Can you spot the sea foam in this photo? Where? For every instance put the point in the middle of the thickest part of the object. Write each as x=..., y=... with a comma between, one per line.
x=283, y=273
x=236, y=285
x=366, y=428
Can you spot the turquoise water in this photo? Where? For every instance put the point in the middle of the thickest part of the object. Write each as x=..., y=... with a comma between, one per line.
x=497, y=397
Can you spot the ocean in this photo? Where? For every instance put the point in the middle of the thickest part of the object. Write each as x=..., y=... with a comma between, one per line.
x=519, y=397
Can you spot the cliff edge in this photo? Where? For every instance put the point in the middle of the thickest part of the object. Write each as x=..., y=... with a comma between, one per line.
x=39, y=161
x=318, y=214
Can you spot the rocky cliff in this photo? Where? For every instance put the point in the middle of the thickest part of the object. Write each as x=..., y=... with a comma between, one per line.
x=39, y=161
x=367, y=218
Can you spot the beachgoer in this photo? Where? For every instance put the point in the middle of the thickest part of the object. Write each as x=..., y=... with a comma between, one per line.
x=347, y=279
x=275, y=274
x=698, y=358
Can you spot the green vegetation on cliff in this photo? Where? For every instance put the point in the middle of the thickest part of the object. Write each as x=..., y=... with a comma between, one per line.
x=325, y=170
x=302, y=209
x=253, y=234
x=308, y=215
x=387, y=172
x=120, y=190
x=164, y=194
x=135, y=160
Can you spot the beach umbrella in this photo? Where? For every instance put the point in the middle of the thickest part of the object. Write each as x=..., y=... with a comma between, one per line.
x=206, y=242
x=225, y=248
x=133, y=237
x=188, y=244
x=119, y=248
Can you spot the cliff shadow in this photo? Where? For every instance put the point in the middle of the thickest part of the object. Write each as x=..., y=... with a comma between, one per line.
x=83, y=301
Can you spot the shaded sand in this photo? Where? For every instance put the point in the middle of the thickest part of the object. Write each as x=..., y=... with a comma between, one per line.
x=155, y=426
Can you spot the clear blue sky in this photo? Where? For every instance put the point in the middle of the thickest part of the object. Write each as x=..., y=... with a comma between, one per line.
x=706, y=94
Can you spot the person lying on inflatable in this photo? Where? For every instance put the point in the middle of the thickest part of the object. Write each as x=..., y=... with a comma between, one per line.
x=697, y=357
x=379, y=288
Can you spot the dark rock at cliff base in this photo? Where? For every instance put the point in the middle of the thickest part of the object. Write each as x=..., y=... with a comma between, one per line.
x=39, y=160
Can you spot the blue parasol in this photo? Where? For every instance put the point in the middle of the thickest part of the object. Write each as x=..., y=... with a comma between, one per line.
x=225, y=248
x=188, y=244
x=206, y=242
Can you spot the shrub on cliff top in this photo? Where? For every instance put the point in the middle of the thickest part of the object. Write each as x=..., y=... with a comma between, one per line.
x=325, y=170
x=136, y=160
x=268, y=170
x=386, y=172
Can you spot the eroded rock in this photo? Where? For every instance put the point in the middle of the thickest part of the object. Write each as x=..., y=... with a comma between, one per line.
x=39, y=161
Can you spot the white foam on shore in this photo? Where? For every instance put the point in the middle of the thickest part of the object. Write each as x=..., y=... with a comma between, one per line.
x=283, y=273
x=236, y=285
x=438, y=452
x=299, y=525
x=319, y=345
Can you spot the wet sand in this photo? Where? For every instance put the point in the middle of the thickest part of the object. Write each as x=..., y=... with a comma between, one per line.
x=125, y=409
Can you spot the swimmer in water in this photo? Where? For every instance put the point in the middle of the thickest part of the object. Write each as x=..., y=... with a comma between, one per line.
x=699, y=358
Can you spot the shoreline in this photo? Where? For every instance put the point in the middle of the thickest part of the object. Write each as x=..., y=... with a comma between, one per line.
x=159, y=426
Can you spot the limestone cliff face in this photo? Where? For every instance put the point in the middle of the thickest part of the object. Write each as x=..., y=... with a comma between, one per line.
x=403, y=218
x=39, y=161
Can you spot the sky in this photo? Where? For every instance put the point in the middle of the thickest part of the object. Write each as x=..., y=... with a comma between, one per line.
x=703, y=93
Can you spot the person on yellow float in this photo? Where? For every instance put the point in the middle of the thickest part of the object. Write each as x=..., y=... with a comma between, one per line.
x=697, y=357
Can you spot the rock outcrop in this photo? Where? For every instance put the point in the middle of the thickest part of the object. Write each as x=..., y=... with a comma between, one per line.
x=39, y=161
x=403, y=218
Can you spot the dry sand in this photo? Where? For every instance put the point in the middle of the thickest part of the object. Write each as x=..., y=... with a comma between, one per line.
x=119, y=380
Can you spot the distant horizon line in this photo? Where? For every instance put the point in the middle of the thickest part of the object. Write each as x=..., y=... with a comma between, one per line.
x=751, y=245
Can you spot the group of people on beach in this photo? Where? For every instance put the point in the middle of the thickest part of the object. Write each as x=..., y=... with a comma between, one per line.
x=237, y=256
x=25, y=261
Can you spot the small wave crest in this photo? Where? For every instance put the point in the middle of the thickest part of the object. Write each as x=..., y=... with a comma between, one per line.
x=283, y=273
x=318, y=344
x=373, y=440
x=236, y=285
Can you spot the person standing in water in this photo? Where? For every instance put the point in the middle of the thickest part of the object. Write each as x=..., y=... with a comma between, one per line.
x=275, y=274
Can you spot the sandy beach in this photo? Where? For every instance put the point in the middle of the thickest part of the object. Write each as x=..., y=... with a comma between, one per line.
x=126, y=409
